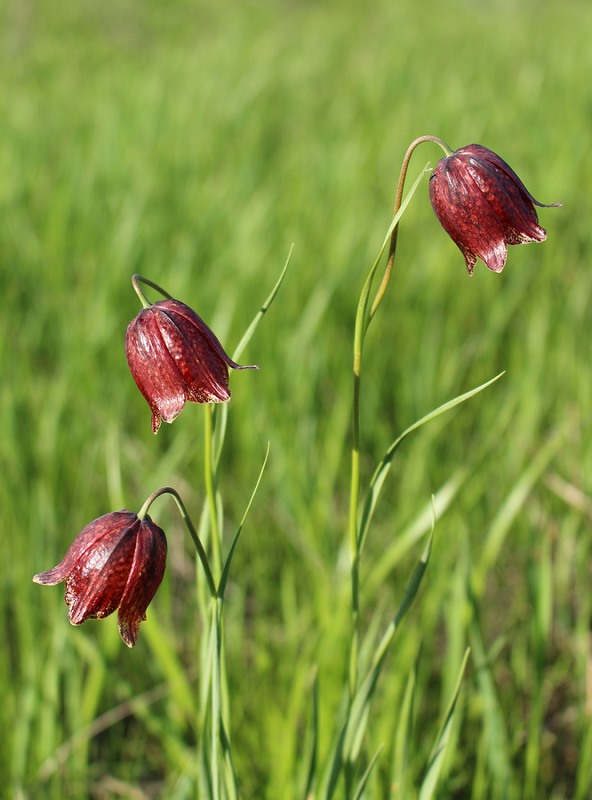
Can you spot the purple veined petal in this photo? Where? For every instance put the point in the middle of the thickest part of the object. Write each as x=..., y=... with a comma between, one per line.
x=205, y=373
x=510, y=202
x=145, y=576
x=467, y=217
x=87, y=538
x=154, y=369
x=486, y=155
x=176, y=308
x=95, y=587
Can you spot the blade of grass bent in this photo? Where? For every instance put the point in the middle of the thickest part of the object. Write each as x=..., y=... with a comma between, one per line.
x=382, y=470
x=416, y=529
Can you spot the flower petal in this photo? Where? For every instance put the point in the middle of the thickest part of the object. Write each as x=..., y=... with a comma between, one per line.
x=153, y=368
x=467, y=216
x=89, y=537
x=145, y=576
x=96, y=584
x=178, y=309
x=510, y=201
x=195, y=351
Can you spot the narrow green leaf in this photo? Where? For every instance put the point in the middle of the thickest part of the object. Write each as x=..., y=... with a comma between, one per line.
x=311, y=749
x=248, y=334
x=382, y=470
x=416, y=530
x=362, y=317
x=226, y=569
x=364, y=779
x=357, y=718
x=496, y=741
x=221, y=411
x=401, y=782
x=430, y=781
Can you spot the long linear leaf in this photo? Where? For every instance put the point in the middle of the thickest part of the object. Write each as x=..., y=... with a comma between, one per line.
x=430, y=781
x=382, y=470
x=400, y=775
x=226, y=570
x=311, y=758
x=364, y=779
x=356, y=723
x=221, y=411
x=362, y=317
x=416, y=530
x=248, y=334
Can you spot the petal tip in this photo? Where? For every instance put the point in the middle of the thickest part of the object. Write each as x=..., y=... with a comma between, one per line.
x=48, y=578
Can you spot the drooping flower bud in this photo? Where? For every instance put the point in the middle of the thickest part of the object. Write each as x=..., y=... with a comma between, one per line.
x=484, y=206
x=174, y=357
x=116, y=562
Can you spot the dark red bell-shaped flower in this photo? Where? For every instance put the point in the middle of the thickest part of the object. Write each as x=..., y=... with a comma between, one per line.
x=483, y=205
x=116, y=562
x=174, y=357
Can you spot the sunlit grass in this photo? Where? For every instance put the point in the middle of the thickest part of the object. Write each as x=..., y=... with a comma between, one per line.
x=195, y=145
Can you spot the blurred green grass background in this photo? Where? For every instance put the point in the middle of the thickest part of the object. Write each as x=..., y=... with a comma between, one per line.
x=194, y=143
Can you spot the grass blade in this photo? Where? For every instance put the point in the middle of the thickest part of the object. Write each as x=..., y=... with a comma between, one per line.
x=430, y=781
x=356, y=723
x=382, y=470
x=226, y=569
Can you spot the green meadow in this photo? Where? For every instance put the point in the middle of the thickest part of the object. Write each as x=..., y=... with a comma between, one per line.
x=202, y=145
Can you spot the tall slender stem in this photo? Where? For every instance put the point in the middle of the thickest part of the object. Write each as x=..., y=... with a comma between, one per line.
x=363, y=319
x=398, y=200
x=210, y=482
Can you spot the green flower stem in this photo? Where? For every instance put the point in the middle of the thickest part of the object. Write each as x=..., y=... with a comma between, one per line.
x=137, y=279
x=363, y=319
x=210, y=481
x=202, y=555
x=398, y=199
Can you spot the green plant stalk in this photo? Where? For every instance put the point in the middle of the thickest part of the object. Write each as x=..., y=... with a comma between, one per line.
x=210, y=483
x=362, y=322
x=212, y=675
x=398, y=200
x=202, y=555
x=137, y=280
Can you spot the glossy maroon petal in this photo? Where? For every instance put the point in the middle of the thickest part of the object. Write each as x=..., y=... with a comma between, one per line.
x=90, y=536
x=96, y=584
x=117, y=561
x=204, y=371
x=153, y=369
x=510, y=201
x=467, y=217
x=145, y=576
